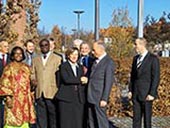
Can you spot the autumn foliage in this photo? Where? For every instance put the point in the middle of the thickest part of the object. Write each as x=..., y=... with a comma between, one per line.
x=120, y=106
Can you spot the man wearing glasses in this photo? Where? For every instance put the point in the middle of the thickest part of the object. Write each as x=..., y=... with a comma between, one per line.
x=43, y=76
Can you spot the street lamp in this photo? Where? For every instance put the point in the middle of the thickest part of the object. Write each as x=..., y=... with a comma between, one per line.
x=78, y=21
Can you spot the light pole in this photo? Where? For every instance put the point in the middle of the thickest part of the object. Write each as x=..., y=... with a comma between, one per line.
x=96, y=20
x=78, y=21
x=140, y=18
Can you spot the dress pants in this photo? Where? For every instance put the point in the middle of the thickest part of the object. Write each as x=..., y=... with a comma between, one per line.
x=97, y=117
x=142, y=109
x=46, y=113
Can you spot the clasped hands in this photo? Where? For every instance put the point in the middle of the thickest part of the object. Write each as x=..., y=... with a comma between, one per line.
x=84, y=80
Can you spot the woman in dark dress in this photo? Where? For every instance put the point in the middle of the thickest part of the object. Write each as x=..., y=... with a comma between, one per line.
x=71, y=93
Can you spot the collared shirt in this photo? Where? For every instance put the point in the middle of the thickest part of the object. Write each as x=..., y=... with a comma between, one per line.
x=4, y=56
x=74, y=67
x=143, y=56
x=45, y=59
x=101, y=57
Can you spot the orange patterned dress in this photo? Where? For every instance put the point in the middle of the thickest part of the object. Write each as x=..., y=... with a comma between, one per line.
x=15, y=82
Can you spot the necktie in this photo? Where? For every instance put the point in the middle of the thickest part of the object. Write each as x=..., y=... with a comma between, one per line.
x=44, y=56
x=3, y=60
x=85, y=61
x=139, y=61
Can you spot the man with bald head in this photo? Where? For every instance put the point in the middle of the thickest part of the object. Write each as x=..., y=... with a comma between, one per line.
x=100, y=83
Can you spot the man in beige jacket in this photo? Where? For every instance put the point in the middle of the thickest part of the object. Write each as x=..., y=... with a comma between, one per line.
x=44, y=69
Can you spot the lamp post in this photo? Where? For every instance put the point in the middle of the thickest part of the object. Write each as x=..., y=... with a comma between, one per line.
x=78, y=21
x=96, y=20
x=140, y=18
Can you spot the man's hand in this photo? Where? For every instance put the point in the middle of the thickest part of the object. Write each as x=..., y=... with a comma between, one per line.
x=103, y=103
x=150, y=98
x=9, y=101
x=130, y=95
x=84, y=80
x=33, y=85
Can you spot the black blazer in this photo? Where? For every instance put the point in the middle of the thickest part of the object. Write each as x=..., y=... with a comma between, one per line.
x=70, y=85
x=100, y=81
x=145, y=79
x=1, y=65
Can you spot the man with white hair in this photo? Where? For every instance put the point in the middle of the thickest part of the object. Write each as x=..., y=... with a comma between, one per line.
x=99, y=87
x=77, y=43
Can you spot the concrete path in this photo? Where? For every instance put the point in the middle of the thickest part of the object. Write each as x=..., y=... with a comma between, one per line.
x=126, y=122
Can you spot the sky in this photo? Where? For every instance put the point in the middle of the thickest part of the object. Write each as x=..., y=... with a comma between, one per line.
x=60, y=12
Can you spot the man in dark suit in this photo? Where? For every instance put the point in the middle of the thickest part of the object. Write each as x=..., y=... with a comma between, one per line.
x=86, y=60
x=4, y=60
x=145, y=75
x=99, y=86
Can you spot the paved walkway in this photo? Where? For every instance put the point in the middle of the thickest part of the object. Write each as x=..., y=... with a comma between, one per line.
x=126, y=122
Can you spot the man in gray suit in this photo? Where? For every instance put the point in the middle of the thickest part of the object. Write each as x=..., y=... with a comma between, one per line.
x=99, y=87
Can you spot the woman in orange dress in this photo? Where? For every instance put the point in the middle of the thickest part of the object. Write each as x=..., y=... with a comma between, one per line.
x=15, y=87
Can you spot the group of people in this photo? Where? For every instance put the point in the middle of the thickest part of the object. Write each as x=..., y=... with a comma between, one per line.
x=71, y=90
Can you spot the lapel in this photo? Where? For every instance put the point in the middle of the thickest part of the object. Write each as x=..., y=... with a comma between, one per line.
x=50, y=58
x=8, y=58
x=1, y=63
x=68, y=67
x=79, y=71
x=39, y=60
x=99, y=65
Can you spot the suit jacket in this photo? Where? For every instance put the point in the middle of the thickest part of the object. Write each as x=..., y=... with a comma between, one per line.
x=45, y=75
x=70, y=85
x=87, y=62
x=100, y=81
x=27, y=59
x=145, y=79
x=1, y=65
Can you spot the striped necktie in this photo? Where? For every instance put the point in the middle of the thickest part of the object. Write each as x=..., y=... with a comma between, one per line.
x=139, y=61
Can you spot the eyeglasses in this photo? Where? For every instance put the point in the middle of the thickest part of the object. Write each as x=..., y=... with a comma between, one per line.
x=44, y=45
